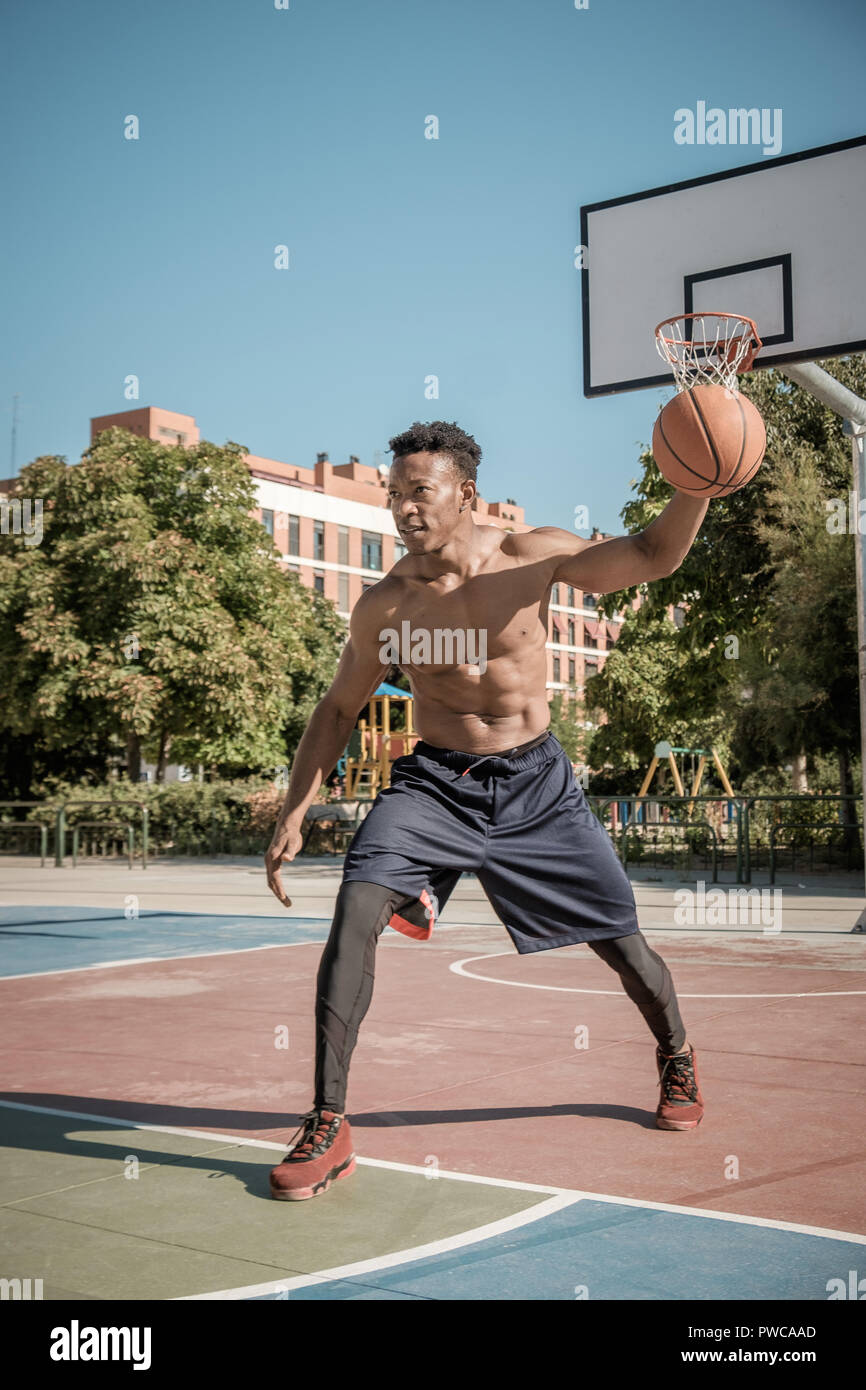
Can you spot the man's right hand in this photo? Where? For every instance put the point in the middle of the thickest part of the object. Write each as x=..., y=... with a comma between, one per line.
x=284, y=846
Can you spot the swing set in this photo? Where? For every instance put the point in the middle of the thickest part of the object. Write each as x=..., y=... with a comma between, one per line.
x=664, y=750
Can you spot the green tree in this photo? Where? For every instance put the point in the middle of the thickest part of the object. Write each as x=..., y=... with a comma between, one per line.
x=651, y=688
x=154, y=614
x=798, y=665
x=568, y=720
x=739, y=581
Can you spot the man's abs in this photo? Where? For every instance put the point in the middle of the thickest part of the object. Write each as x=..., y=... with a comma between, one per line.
x=481, y=714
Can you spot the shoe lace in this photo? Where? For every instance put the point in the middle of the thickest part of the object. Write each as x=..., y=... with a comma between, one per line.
x=312, y=1128
x=678, y=1078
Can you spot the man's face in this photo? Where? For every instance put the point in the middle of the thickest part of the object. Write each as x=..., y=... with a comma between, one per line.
x=426, y=495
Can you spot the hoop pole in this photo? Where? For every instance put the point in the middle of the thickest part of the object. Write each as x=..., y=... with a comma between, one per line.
x=853, y=410
x=828, y=390
x=858, y=457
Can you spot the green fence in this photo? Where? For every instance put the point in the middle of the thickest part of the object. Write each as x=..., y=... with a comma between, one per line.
x=710, y=834
x=737, y=834
x=23, y=833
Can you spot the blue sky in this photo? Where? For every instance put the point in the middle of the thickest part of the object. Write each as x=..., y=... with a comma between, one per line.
x=408, y=256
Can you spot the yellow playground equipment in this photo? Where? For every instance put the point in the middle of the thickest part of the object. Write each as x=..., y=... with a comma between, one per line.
x=374, y=746
x=664, y=750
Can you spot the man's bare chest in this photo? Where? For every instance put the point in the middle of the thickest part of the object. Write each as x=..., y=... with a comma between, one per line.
x=508, y=607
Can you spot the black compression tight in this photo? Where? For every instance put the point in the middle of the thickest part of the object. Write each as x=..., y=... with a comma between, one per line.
x=647, y=982
x=344, y=986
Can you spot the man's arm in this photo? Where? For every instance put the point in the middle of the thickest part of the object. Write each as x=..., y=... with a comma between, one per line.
x=604, y=565
x=358, y=674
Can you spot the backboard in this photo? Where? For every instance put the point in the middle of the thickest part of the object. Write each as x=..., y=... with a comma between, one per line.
x=781, y=241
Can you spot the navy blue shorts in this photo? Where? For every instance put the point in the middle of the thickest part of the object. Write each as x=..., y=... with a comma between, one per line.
x=521, y=824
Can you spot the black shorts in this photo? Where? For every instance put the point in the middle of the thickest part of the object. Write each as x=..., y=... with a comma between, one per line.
x=522, y=824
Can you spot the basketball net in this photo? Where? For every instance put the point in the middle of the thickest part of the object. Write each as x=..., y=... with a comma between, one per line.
x=708, y=349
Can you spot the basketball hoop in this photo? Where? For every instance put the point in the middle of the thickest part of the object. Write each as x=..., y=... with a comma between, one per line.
x=707, y=348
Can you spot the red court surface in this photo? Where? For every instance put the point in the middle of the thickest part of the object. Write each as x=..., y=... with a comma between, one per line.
x=482, y=1076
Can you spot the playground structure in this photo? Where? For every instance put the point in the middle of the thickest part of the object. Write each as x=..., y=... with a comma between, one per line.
x=664, y=750
x=373, y=747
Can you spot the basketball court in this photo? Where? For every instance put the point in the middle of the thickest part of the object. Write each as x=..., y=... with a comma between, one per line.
x=506, y=1136
x=158, y=1029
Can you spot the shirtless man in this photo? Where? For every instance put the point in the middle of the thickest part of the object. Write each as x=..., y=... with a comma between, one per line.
x=488, y=789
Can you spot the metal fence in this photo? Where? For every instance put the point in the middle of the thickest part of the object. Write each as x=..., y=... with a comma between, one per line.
x=127, y=831
x=805, y=833
x=710, y=834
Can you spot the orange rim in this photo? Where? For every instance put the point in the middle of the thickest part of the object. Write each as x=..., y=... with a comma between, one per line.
x=725, y=348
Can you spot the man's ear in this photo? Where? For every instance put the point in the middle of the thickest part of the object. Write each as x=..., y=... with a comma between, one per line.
x=467, y=501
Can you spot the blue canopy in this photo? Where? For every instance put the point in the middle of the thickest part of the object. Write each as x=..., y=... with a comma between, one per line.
x=386, y=689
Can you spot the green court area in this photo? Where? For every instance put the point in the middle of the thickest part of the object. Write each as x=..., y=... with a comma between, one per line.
x=102, y=1211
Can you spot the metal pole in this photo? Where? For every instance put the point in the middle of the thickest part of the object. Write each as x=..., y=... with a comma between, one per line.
x=827, y=389
x=858, y=457
x=60, y=837
x=853, y=411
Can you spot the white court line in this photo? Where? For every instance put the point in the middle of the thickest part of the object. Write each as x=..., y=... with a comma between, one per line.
x=153, y=960
x=572, y=1193
x=192, y=955
x=400, y=1257
x=458, y=968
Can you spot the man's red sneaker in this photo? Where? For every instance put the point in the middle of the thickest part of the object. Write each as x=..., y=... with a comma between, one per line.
x=323, y=1154
x=681, y=1105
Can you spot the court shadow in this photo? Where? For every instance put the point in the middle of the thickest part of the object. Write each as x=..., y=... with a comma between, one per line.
x=41, y=1130
x=247, y=1122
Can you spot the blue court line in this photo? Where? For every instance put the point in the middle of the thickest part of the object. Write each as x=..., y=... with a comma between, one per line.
x=611, y=1252
x=34, y=940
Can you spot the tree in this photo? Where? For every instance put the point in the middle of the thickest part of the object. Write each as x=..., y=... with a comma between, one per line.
x=155, y=613
x=652, y=688
x=799, y=664
x=568, y=720
x=730, y=584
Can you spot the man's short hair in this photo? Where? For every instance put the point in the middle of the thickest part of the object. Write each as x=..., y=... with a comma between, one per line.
x=439, y=437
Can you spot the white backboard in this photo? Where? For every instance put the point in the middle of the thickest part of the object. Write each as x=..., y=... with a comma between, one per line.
x=782, y=241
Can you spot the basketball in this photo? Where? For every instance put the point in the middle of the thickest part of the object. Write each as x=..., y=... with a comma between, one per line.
x=708, y=442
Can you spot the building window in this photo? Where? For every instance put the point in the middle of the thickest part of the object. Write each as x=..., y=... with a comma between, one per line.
x=589, y=601
x=554, y=594
x=318, y=540
x=591, y=642
x=319, y=583
x=556, y=675
x=570, y=596
x=342, y=545
x=399, y=551
x=367, y=584
x=296, y=569
x=268, y=520
x=343, y=593
x=679, y=616
x=590, y=669
x=371, y=550
x=571, y=674
x=294, y=535
x=571, y=632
